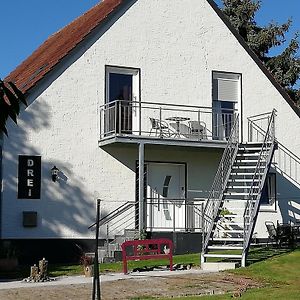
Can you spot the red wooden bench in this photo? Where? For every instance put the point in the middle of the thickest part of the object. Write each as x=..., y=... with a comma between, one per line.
x=147, y=249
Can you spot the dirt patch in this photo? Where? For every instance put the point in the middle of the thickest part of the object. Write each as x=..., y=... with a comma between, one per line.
x=168, y=286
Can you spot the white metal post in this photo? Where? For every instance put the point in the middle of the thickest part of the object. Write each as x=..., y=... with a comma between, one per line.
x=141, y=186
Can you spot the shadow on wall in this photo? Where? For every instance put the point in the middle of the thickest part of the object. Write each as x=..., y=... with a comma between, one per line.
x=65, y=208
x=288, y=199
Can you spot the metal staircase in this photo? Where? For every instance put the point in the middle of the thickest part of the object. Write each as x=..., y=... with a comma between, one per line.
x=232, y=207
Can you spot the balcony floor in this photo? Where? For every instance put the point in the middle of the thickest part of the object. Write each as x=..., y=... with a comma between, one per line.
x=135, y=139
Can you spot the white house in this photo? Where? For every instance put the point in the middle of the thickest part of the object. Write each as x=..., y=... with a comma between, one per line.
x=165, y=84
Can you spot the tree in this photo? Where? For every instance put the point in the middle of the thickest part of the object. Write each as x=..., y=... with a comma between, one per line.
x=285, y=66
x=10, y=100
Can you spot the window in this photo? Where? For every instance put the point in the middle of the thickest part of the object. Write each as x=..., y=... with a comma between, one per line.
x=226, y=87
x=226, y=94
x=268, y=196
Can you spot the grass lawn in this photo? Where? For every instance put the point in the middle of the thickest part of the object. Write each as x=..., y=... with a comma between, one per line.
x=71, y=269
x=280, y=276
x=59, y=270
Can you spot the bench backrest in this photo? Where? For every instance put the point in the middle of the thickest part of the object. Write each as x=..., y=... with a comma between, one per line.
x=147, y=247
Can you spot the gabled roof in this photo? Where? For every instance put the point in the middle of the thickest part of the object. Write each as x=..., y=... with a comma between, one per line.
x=59, y=45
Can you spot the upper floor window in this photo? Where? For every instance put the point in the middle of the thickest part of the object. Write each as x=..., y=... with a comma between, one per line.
x=225, y=95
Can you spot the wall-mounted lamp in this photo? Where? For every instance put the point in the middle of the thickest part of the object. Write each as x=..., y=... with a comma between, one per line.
x=54, y=173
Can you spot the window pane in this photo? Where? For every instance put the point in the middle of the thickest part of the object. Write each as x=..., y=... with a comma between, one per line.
x=120, y=87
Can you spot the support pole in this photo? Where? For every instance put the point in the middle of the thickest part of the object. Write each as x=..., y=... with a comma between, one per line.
x=96, y=279
x=141, y=186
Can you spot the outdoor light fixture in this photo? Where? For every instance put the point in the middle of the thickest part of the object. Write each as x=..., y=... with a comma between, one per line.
x=54, y=173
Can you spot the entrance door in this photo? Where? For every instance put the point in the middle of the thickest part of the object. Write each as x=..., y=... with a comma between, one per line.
x=122, y=96
x=166, y=197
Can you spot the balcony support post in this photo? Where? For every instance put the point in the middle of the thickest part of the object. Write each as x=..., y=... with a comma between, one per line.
x=141, y=186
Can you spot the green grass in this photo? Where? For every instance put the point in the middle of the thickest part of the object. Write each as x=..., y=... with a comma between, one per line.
x=71, y=269
x=279, y=275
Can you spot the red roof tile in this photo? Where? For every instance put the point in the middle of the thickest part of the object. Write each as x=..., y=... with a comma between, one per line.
x=58, y=45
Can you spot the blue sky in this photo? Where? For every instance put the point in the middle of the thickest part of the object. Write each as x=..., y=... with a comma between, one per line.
x=27, y=23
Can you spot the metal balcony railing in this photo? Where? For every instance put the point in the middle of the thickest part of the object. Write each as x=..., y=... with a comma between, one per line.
x=164, y=121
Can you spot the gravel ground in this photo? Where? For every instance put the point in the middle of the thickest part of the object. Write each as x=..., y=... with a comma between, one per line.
x=118, y=286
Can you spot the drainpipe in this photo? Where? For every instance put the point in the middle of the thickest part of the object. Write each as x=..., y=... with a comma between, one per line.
x=141, y=186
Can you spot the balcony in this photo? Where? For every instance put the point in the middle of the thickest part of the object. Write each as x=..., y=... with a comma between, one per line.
x=170, y=124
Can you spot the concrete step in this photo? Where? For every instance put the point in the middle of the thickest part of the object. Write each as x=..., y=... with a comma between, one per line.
x=218, y=266
x=131, y=233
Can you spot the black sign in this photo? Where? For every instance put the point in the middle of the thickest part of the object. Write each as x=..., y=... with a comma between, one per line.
x=29, y=183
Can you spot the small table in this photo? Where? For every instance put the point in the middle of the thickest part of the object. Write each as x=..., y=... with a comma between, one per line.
x=178, y=120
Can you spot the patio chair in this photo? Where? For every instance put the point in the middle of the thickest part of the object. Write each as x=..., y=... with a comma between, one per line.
x=160, y=128
x=272, y=233
x=198, y=129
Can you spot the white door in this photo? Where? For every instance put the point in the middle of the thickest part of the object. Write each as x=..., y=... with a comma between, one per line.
x=166, y=197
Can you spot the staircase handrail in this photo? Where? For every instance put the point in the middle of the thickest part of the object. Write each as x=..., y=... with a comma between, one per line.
x=219, y=184
x=114, y=214
x=266, y=152
x=292, y=156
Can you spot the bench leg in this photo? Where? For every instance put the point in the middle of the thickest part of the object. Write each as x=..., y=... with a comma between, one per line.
x=171, y=263
x=125, y=270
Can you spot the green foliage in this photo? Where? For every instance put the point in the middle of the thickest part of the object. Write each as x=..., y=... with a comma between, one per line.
x=10, y=99
x=285, y=67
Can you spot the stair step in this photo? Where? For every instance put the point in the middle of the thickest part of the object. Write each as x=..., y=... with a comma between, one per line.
x=238, y=194
x=245, y=154
x=230, y=216
x=242, y=180
x=247, y=167
x=253, y=148
x=239, y=187
x=233, y=208
x=230, y=231
x=226, y=239
x=245, y=174
x=235, y=199
x=225, y=247
x=240, y=224
x=223, y=255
